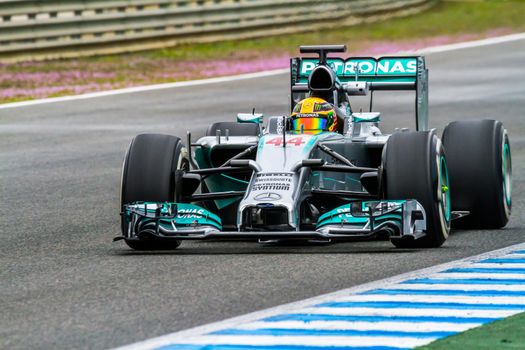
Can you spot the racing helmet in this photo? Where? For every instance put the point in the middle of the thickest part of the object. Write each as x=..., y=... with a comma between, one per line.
x=314, y=115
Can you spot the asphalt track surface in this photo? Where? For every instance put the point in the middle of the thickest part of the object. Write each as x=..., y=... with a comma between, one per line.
x=64, y=284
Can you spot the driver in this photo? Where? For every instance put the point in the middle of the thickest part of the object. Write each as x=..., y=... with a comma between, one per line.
x=314, y=115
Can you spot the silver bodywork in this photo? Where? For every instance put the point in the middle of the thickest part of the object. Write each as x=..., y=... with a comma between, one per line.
x=340, y=171
x=280, y=181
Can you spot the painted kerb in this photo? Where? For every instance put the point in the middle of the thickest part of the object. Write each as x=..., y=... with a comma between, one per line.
x=33, y=29
x=397, y=313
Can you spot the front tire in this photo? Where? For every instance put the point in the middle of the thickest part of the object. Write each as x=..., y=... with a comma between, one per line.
x=149, y=175
x=414, y=167
x=480, y=172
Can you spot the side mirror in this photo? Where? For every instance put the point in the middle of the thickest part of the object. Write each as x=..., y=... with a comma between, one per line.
x=250, y=118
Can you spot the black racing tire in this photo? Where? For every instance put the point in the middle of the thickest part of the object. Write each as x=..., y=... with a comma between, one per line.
x=234, y=129
x=149, y=174
x=414, y=167
x=480, y=170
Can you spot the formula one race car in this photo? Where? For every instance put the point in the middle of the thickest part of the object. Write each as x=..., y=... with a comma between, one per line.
x=322, y=173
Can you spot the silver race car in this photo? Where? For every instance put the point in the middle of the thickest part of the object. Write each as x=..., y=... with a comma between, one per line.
x=322, y=172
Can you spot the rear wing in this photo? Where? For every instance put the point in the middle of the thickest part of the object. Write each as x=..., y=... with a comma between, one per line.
x=393, y=73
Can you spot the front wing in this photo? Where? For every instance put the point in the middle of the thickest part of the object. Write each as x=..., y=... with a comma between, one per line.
x=361, y=219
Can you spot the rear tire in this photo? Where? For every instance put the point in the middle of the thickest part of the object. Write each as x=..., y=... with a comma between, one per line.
x=414, y=167
x=480, y=169
x=149, y=175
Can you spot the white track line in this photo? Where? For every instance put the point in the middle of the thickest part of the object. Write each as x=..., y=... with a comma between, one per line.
x=466, y=275
x=327, y=341
x=472, y=44
x=145, y=88
x=474, y=300
x=513, y=256
x=497, y=266
x=363, y=326
x=402, y=312
x=471, y=287
x=428, y=50
x=309, y=305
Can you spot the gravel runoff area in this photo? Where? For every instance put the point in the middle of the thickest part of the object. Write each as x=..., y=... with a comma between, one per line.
x=465, y=21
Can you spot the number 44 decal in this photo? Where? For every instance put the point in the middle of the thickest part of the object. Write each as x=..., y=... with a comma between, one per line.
x=278, y=141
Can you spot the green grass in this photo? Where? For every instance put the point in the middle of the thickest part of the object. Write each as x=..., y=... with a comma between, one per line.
x=504, y=334
x=446, y=18
x=444, y=23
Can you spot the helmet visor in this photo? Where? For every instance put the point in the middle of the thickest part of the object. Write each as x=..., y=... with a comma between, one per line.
x=309, y=124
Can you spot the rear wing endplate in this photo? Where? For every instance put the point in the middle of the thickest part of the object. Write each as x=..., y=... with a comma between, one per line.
x=392, y=73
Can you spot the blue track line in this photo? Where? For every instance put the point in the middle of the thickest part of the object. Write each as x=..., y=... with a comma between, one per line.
x=503, y=261
x=272, y=347
x=332, y=332
x=420, y=305
x=473, y=293
x=362, y=318
x=485, y=270
x=463, y=281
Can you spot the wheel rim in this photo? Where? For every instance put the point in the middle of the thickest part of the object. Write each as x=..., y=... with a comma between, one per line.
x=444, y=189
x=507, y=174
